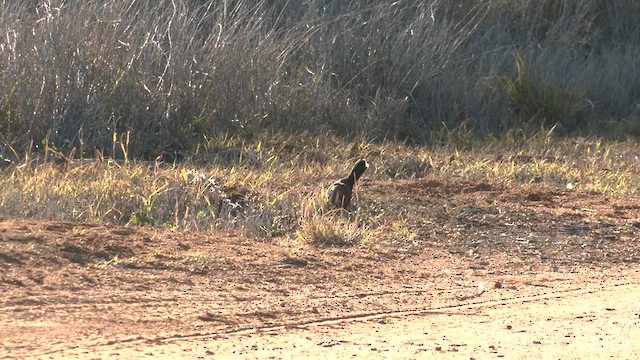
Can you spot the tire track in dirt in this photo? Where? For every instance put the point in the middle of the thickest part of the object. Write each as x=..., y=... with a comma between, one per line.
x=89, y=305
x=431, y=310
x=34, y=303
x=362, y=317
x=27, y=305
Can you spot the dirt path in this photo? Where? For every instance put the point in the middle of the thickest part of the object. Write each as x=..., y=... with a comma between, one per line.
x=575, y=324
x=597, y=324
x=546, y=275
x=593, y=320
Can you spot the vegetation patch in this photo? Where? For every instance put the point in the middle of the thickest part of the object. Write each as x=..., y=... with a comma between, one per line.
x=166, y=78
x=283, y=195
x=209, y=117
x=534, y=97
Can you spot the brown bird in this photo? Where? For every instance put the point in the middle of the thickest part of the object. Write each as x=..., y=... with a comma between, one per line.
x=339, y=193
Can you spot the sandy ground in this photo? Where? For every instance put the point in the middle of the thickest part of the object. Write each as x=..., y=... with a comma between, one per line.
x=488, y=273
x=593, y=322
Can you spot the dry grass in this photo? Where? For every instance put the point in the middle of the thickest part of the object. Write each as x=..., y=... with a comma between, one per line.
x=175, y=74
x=281, y=193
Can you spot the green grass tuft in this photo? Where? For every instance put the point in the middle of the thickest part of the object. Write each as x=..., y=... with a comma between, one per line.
x=534, y=97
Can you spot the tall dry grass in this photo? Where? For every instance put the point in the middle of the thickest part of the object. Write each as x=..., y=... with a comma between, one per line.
x=175, y=73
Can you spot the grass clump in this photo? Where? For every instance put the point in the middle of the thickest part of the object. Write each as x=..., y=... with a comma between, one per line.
x=329, y=231
x=534, y=97
x=321, y=226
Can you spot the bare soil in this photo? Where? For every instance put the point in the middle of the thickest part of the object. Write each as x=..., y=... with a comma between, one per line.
x=484, y=272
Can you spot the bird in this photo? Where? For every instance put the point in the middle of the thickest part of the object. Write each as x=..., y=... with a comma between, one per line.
x=339, y=193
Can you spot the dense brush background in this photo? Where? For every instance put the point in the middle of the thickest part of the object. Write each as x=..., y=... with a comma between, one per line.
x=173, y=73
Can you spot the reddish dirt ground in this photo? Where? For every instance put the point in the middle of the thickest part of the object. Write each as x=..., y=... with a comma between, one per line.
x=486, y=273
